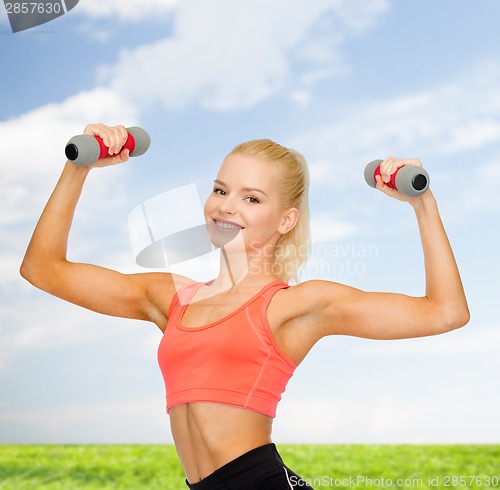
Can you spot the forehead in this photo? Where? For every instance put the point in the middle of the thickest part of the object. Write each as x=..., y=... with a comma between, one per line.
x=247, y=171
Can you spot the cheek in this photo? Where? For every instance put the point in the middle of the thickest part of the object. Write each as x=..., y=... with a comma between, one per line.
x=262, y=221
x=208, y=208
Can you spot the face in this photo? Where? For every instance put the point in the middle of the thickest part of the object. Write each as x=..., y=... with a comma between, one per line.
x=246, y=194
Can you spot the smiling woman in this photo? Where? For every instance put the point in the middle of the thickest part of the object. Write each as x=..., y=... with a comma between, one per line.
x=275, y=188
x=230, y=345
x=286, y=170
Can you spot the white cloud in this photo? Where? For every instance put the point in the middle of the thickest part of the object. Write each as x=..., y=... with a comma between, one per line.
x=388, y=419
x=466, y=341
x=472, y=134
x=482, y=189
x=301, y=97
x=9, y=267
x=191, y=69
x=325, y=229
x=442, y=122
x=226, y=54
x=141, y=420
x=33, y=147
x=27, y=330
x=127, y=10
x=32, y=159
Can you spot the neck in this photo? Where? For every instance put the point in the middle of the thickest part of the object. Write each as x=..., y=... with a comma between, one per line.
x=237, y=267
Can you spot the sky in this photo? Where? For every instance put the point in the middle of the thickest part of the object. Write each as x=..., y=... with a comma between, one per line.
x=342, y=81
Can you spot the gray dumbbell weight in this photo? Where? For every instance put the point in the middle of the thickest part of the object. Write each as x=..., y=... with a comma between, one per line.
x=411, y=180
x=85, y=149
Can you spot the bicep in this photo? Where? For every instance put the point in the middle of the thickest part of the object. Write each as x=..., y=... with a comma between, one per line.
x=107, y=291
x=344, y=310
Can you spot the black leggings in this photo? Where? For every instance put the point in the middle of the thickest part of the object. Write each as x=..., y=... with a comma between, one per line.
x=259, y=469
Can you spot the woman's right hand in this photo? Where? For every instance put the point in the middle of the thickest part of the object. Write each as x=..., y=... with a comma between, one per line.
x=114, y=137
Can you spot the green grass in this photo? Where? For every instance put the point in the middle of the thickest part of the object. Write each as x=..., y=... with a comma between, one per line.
x=130, y=467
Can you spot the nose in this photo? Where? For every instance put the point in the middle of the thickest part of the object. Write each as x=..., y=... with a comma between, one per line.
x=227, y=206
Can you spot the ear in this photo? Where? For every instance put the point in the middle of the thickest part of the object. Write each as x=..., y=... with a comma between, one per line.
x=289, y=220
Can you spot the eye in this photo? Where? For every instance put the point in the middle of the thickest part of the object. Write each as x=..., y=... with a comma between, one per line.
x=217, y=189
x=255, y=200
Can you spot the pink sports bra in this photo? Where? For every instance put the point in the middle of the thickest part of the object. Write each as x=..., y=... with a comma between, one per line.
x=234, y=361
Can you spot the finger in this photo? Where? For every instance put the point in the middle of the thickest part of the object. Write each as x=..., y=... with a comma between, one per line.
x=101, y=131
x=107, y=136
x=124, y=154
x=388, y=191
x=386, y=168
x=113, y=142
x=91, y=129
x=123, y=134
x=119, y=138
x=411, y=161
x=391, y=165
x=379, y=183
x=122, y=157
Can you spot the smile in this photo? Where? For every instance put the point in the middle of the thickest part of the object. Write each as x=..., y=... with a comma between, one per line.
x=219, y=225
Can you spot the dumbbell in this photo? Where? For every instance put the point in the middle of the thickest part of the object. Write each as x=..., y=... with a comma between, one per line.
x=85, y=149
x=410, y=180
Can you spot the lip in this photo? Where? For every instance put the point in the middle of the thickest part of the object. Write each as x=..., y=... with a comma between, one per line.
x=229, y=222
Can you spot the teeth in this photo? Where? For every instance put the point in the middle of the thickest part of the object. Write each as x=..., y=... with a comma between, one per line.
x=227, y=226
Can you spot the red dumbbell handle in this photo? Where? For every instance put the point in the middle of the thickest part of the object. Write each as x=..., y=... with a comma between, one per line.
x=103, y=149
x=392, y=182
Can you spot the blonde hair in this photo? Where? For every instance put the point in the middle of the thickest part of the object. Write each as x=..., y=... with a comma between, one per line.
x=292, y=248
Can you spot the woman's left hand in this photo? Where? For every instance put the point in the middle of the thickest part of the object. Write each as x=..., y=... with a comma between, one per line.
x=387, y=168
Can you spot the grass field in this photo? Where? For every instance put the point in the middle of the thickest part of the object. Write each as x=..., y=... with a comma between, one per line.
x=131, y=467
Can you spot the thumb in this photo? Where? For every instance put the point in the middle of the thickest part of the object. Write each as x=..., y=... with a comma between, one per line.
x=121, y=157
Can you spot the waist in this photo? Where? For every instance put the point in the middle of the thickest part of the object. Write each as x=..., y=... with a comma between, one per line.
x=241, y=469
x=209, y=435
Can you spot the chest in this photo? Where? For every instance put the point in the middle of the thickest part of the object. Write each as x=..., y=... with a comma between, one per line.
x=216, y=340
x=209, y=311
x=293, y=337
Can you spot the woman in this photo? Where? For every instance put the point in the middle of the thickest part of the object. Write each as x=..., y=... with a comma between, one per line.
x=223, y=383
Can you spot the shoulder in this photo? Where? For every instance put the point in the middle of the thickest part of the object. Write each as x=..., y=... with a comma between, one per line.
x=163, y=283
x=303, y=299
x=161, y=288
x=293, y=316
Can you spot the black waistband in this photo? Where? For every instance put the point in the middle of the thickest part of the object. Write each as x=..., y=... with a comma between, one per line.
x=236, y=469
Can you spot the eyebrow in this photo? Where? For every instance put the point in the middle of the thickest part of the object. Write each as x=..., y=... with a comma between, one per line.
x=243, y=188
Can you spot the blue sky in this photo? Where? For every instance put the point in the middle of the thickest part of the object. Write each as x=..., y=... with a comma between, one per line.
x=344, y=82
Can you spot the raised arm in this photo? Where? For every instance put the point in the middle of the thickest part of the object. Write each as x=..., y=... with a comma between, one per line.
x=141, y=296
x=340, y=309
